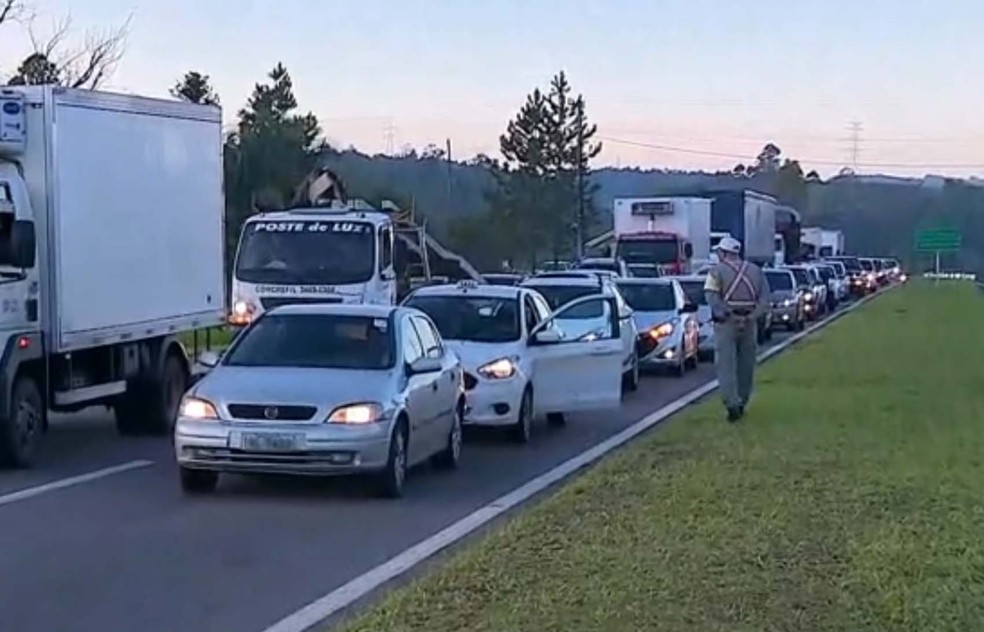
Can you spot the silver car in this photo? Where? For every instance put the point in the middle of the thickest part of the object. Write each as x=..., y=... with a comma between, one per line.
x=325, y=390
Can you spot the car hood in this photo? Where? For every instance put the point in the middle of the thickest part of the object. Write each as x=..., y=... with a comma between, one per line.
x=781, y=295
x=475, y=354
x=648, y=320
x=325, y=388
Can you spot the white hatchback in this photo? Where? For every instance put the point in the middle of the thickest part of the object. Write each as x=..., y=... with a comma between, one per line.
x=520, y=361
x=559, y=289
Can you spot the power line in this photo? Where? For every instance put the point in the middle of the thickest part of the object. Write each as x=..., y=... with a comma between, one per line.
x=817, y=161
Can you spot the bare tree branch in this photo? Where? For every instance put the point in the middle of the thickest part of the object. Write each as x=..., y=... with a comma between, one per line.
x=87, y=66
x=13, y=11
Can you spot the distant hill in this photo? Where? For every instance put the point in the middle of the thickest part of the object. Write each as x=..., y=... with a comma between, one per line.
x=879, y=214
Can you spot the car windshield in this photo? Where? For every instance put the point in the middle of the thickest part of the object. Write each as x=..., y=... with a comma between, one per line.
x=877, y=263
x=559, y=295
x=802, y=278
x=649, y=297
x=852, y=265
x=307, y=252
x=502, y=279
x=644, y=271
x=866, y=265
x=694, y=291
x=596, y=264
x=648, y=250
x=319, y=341
x=779, y=280
x=825, y=273
x=472, y=318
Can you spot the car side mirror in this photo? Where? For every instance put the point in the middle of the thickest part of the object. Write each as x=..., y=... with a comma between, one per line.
x=689, y=308
x=208, y=359
x=421, y=366
x=546, y=337
x=21, y=247
x=387, y=275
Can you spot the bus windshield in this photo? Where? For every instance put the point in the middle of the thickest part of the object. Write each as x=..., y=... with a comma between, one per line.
x=307, y=252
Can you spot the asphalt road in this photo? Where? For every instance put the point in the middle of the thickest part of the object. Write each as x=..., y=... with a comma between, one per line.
x=130, y=552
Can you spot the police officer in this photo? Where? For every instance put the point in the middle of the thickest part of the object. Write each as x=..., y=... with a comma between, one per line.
x=738, y=296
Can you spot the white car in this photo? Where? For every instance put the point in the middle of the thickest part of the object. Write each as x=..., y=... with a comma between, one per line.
x=667, y=323
x=559, y=290
x=614, y=265
x=513, y=375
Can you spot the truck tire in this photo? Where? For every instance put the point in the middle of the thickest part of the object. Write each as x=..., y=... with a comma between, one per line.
x=22, y=425
x=150, y=404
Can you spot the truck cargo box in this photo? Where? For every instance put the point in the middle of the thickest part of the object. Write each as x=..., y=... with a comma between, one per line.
x=127, y=192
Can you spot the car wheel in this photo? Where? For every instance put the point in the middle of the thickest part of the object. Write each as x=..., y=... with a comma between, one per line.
x=450, y=456
x=522, y=430
x=198, y=481
x=681, y=367
x=23, y=425
x=393, y=478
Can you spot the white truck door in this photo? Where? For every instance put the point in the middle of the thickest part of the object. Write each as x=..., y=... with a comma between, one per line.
x=578, y=374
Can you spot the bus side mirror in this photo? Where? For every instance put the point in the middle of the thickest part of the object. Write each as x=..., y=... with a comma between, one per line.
x=21, y=247
x=688, y=250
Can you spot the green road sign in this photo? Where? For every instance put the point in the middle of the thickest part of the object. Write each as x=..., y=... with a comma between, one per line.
x=939, y=240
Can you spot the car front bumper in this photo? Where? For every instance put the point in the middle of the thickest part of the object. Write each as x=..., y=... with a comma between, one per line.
x=494, y=402
x=320, y=450
x=784, y=315
x=666, y=353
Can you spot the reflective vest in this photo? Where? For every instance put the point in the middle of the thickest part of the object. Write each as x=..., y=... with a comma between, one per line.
x=738, y=288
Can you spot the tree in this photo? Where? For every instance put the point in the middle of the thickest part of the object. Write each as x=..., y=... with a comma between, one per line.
x=54, y=61
x=789, y=185
x=545, y=192
x=195, y=87
x=271, y=151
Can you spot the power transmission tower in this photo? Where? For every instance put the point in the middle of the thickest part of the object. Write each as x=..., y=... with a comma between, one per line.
x=855, y=150
x=389, y=137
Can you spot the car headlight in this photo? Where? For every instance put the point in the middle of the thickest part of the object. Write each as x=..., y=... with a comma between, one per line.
x=501, y=369
x=660, y=331
x=355, y=414
x=197, y=408
x=808, y=296
x=242, y=313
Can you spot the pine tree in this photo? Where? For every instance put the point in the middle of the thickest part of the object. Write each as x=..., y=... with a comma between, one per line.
x=195, y=87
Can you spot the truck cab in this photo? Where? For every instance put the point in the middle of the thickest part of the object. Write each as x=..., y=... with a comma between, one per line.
x=339, y=254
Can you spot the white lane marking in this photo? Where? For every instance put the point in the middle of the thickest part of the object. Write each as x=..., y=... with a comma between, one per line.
x=31, y=492
x=344, y=596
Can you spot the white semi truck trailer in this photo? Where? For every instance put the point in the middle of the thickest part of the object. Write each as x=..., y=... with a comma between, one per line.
x=111, y=244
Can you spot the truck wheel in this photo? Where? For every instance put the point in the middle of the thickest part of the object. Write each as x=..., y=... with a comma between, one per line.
x=22, y=426
x=150, y=405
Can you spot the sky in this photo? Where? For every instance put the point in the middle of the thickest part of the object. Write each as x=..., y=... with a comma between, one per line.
x=682, y=84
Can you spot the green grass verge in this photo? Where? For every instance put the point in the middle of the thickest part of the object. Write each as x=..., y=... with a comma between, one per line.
x=850, y=499
x=220, y=338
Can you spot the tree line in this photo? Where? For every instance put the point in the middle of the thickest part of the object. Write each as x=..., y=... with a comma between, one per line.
x=539, y=200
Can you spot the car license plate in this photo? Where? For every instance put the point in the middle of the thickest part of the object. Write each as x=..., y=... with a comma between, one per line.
x=271, y=441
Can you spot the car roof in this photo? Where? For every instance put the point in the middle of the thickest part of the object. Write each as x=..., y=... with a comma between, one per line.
x=335, y=309
x=786, y=270
x=690, y=278
x=646, y=281
x=477, y=289
x=564, y=281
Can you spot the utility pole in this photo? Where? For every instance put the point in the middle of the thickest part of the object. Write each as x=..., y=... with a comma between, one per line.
x=855, y=151
x=579, y=220
x=447, y=158
x=389, y=137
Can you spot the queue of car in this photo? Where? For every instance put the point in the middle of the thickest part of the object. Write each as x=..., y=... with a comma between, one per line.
x=330, y=389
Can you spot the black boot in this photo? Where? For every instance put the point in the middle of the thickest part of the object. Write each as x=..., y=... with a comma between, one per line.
x=734, y=414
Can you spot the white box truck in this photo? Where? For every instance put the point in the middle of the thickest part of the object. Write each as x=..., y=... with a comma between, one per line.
x=111, y=244
x=823, y=242
x=671, y=232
